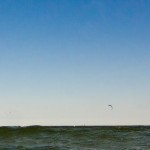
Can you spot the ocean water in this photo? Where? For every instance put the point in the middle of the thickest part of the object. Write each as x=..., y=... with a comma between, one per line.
x=75, y=138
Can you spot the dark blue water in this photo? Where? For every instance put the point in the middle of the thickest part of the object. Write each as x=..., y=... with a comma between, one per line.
x=75, y=138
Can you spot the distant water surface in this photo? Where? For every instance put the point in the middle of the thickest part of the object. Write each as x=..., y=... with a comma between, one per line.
x=75, y=138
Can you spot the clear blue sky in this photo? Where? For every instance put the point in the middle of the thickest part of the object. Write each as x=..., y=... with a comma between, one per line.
x=62, y=62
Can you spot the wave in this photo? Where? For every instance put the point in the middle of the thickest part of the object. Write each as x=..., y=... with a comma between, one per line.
x=75, y=138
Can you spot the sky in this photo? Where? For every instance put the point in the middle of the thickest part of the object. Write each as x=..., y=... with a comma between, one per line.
x=62, y=62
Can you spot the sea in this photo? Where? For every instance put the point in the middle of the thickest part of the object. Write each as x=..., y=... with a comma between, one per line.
x=75, y=138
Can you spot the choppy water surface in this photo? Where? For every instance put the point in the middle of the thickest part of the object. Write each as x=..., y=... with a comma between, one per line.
x=76, y=138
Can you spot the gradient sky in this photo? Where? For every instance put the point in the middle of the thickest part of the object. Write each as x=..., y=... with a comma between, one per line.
x=62, y=62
